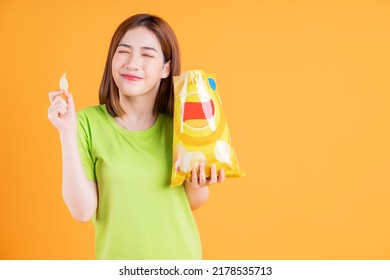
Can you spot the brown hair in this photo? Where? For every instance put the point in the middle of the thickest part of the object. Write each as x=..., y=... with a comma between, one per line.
x=108, y=92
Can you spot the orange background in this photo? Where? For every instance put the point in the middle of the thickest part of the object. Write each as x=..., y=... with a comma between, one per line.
x=305, y=88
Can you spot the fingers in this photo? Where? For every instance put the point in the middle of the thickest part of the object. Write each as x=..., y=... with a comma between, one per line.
x=54, y=94
x=201, y=180
x=58, y=108
x=62, y=112
x=58, y=100
x=194, y=180
x=221, y=177
x=69, y=99
x=58, y=103
x=66, y=105
x=202, y=174
x=214, y=178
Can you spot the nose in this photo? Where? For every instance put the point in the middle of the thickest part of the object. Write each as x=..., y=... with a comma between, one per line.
x=133, y=62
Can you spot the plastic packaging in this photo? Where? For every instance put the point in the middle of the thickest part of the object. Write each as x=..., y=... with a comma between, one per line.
x=200, y=131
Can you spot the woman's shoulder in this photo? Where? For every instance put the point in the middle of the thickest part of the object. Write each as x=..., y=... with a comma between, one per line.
x=92, y=109
x=91, y=112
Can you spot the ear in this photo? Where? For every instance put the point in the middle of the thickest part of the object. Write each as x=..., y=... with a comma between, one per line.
x=166, y=69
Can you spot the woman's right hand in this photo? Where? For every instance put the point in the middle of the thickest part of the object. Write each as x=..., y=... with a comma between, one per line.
x=62, y=113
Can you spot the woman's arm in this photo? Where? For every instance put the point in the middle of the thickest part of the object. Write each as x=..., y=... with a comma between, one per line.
x=197, y=189
x=79, y=193
x=196, y=196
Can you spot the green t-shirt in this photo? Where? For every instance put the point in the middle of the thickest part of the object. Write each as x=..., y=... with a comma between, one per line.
x=139, y=215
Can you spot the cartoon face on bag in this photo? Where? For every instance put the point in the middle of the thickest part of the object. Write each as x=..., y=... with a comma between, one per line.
x=200, y=119
x=200, y=130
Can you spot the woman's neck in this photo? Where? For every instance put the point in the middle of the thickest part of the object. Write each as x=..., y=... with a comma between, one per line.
x=139, y=114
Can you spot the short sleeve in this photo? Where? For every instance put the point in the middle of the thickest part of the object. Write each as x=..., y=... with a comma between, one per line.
x=84, y=137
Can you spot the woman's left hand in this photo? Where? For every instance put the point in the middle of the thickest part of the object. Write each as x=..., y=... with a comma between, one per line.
x=200, y=180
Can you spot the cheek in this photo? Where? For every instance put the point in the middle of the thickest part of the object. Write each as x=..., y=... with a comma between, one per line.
x=114, y=64
x=155, y=69
x=115, y=67
x=114, y=71
x=118, y=61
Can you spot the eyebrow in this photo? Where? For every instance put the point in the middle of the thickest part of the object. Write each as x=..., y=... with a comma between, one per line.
x=144, y=48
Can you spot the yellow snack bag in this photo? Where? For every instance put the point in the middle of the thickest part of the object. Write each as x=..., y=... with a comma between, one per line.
x=200, y=132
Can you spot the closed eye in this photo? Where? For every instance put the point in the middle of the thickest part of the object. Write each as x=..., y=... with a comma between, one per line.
x=147, y=55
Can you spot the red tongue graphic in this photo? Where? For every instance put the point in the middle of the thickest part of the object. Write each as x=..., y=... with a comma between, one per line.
x=198, y=110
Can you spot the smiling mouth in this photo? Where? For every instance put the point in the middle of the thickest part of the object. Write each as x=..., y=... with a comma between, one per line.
x=131, y=77
x=198, y=110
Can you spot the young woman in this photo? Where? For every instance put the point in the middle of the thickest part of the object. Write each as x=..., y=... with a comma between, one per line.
x=117, y=156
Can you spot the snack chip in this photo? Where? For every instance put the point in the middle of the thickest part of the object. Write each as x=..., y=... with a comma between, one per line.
x=200, y=132
x=64, y=83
